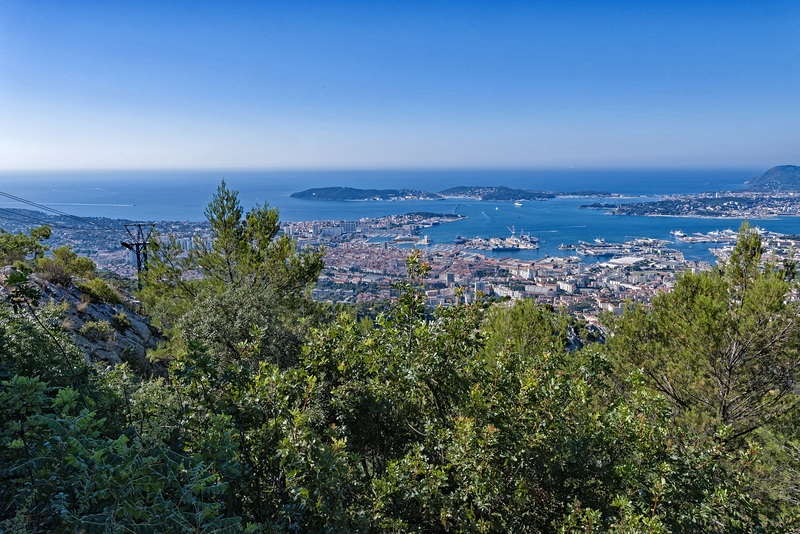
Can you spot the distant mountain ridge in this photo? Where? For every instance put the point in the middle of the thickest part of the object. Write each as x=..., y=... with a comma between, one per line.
x=779, y=178
x=496, y=193
x=500, y=193
x=351, y=193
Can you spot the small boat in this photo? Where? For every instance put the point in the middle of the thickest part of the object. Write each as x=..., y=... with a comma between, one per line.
x=518, y=204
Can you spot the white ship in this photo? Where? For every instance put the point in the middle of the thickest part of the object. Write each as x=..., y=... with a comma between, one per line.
x=424, y=240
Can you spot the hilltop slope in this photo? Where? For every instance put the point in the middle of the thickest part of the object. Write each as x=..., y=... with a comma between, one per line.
x=107, y=333
x=779, y=178
x=351, y=193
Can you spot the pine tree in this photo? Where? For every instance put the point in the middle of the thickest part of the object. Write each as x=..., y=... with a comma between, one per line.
x=723, y=346
x=249, y=275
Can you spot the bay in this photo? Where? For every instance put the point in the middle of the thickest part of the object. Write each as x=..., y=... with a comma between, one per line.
x=183, y=195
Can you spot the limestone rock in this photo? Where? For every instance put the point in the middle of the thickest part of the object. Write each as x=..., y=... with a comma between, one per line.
x=108, y=333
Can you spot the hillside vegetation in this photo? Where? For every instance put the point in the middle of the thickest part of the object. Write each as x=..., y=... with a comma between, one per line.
x=275, y=416
x=779, y=178
x=351, y=193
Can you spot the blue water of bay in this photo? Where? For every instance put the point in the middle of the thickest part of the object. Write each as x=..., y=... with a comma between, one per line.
x=183, y=195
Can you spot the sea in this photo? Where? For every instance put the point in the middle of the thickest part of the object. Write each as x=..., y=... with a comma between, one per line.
x=183, y=195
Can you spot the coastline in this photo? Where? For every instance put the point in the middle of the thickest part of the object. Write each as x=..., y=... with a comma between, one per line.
x=721, y=217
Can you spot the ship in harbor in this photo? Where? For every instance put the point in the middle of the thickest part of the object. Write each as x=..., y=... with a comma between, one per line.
x=424, y=240
x=514, y=242
x=714, y=236
x=505, y=244
x=600, y=248
x=632, y=247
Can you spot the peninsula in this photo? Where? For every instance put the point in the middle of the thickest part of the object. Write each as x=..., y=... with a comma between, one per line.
x=490, y=193
x=351, y=193
x=501, y=193
x=775, y=193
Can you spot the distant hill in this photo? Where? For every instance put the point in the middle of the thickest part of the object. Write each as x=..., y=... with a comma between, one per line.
x=351, y=193
x=496, y=193
x=780, y=178
x=493, y=193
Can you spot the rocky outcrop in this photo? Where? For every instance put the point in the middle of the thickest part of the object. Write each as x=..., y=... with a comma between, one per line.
x=576, y=339
x=108, y=333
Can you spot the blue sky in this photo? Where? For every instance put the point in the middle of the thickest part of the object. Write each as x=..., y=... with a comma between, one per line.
x=128, y=85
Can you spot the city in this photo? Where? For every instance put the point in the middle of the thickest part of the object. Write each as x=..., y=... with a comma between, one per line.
x=366, y=258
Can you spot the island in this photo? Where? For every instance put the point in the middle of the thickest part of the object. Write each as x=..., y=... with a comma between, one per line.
x=490, y=193
x=352, y=193
x=495, y=193
x=775, y=193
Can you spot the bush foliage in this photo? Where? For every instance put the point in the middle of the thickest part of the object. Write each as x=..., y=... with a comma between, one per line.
x=473, y=419
x=64, y=266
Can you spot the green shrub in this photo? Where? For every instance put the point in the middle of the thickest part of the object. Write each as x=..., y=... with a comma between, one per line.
x=98, y=330
x=22, y=266
x=121, y=321
x=117, y=282
x=64, y=265
x=54, y=272
x=23, y=245
x=99, y=291
x=63, y=472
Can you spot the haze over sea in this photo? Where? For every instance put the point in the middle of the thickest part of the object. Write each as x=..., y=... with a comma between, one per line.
x=183, y=195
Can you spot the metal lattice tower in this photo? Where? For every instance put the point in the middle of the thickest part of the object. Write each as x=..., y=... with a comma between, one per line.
x=139, y=247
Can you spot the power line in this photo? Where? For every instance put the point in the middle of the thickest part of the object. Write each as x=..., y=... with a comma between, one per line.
x=39, y=221
x=34, y=219
x=50, y=225
x=41, y=206
x=139, y=245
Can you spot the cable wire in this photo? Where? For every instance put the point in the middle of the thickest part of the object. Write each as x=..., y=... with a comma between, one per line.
x=30, y=218
x=39, y=221
x=41, y=206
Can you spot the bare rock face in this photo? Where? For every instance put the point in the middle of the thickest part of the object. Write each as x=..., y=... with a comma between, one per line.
x=108, y=333
x=575, y=342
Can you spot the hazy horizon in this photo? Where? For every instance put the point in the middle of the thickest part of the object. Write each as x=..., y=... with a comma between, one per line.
x=449, y=169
